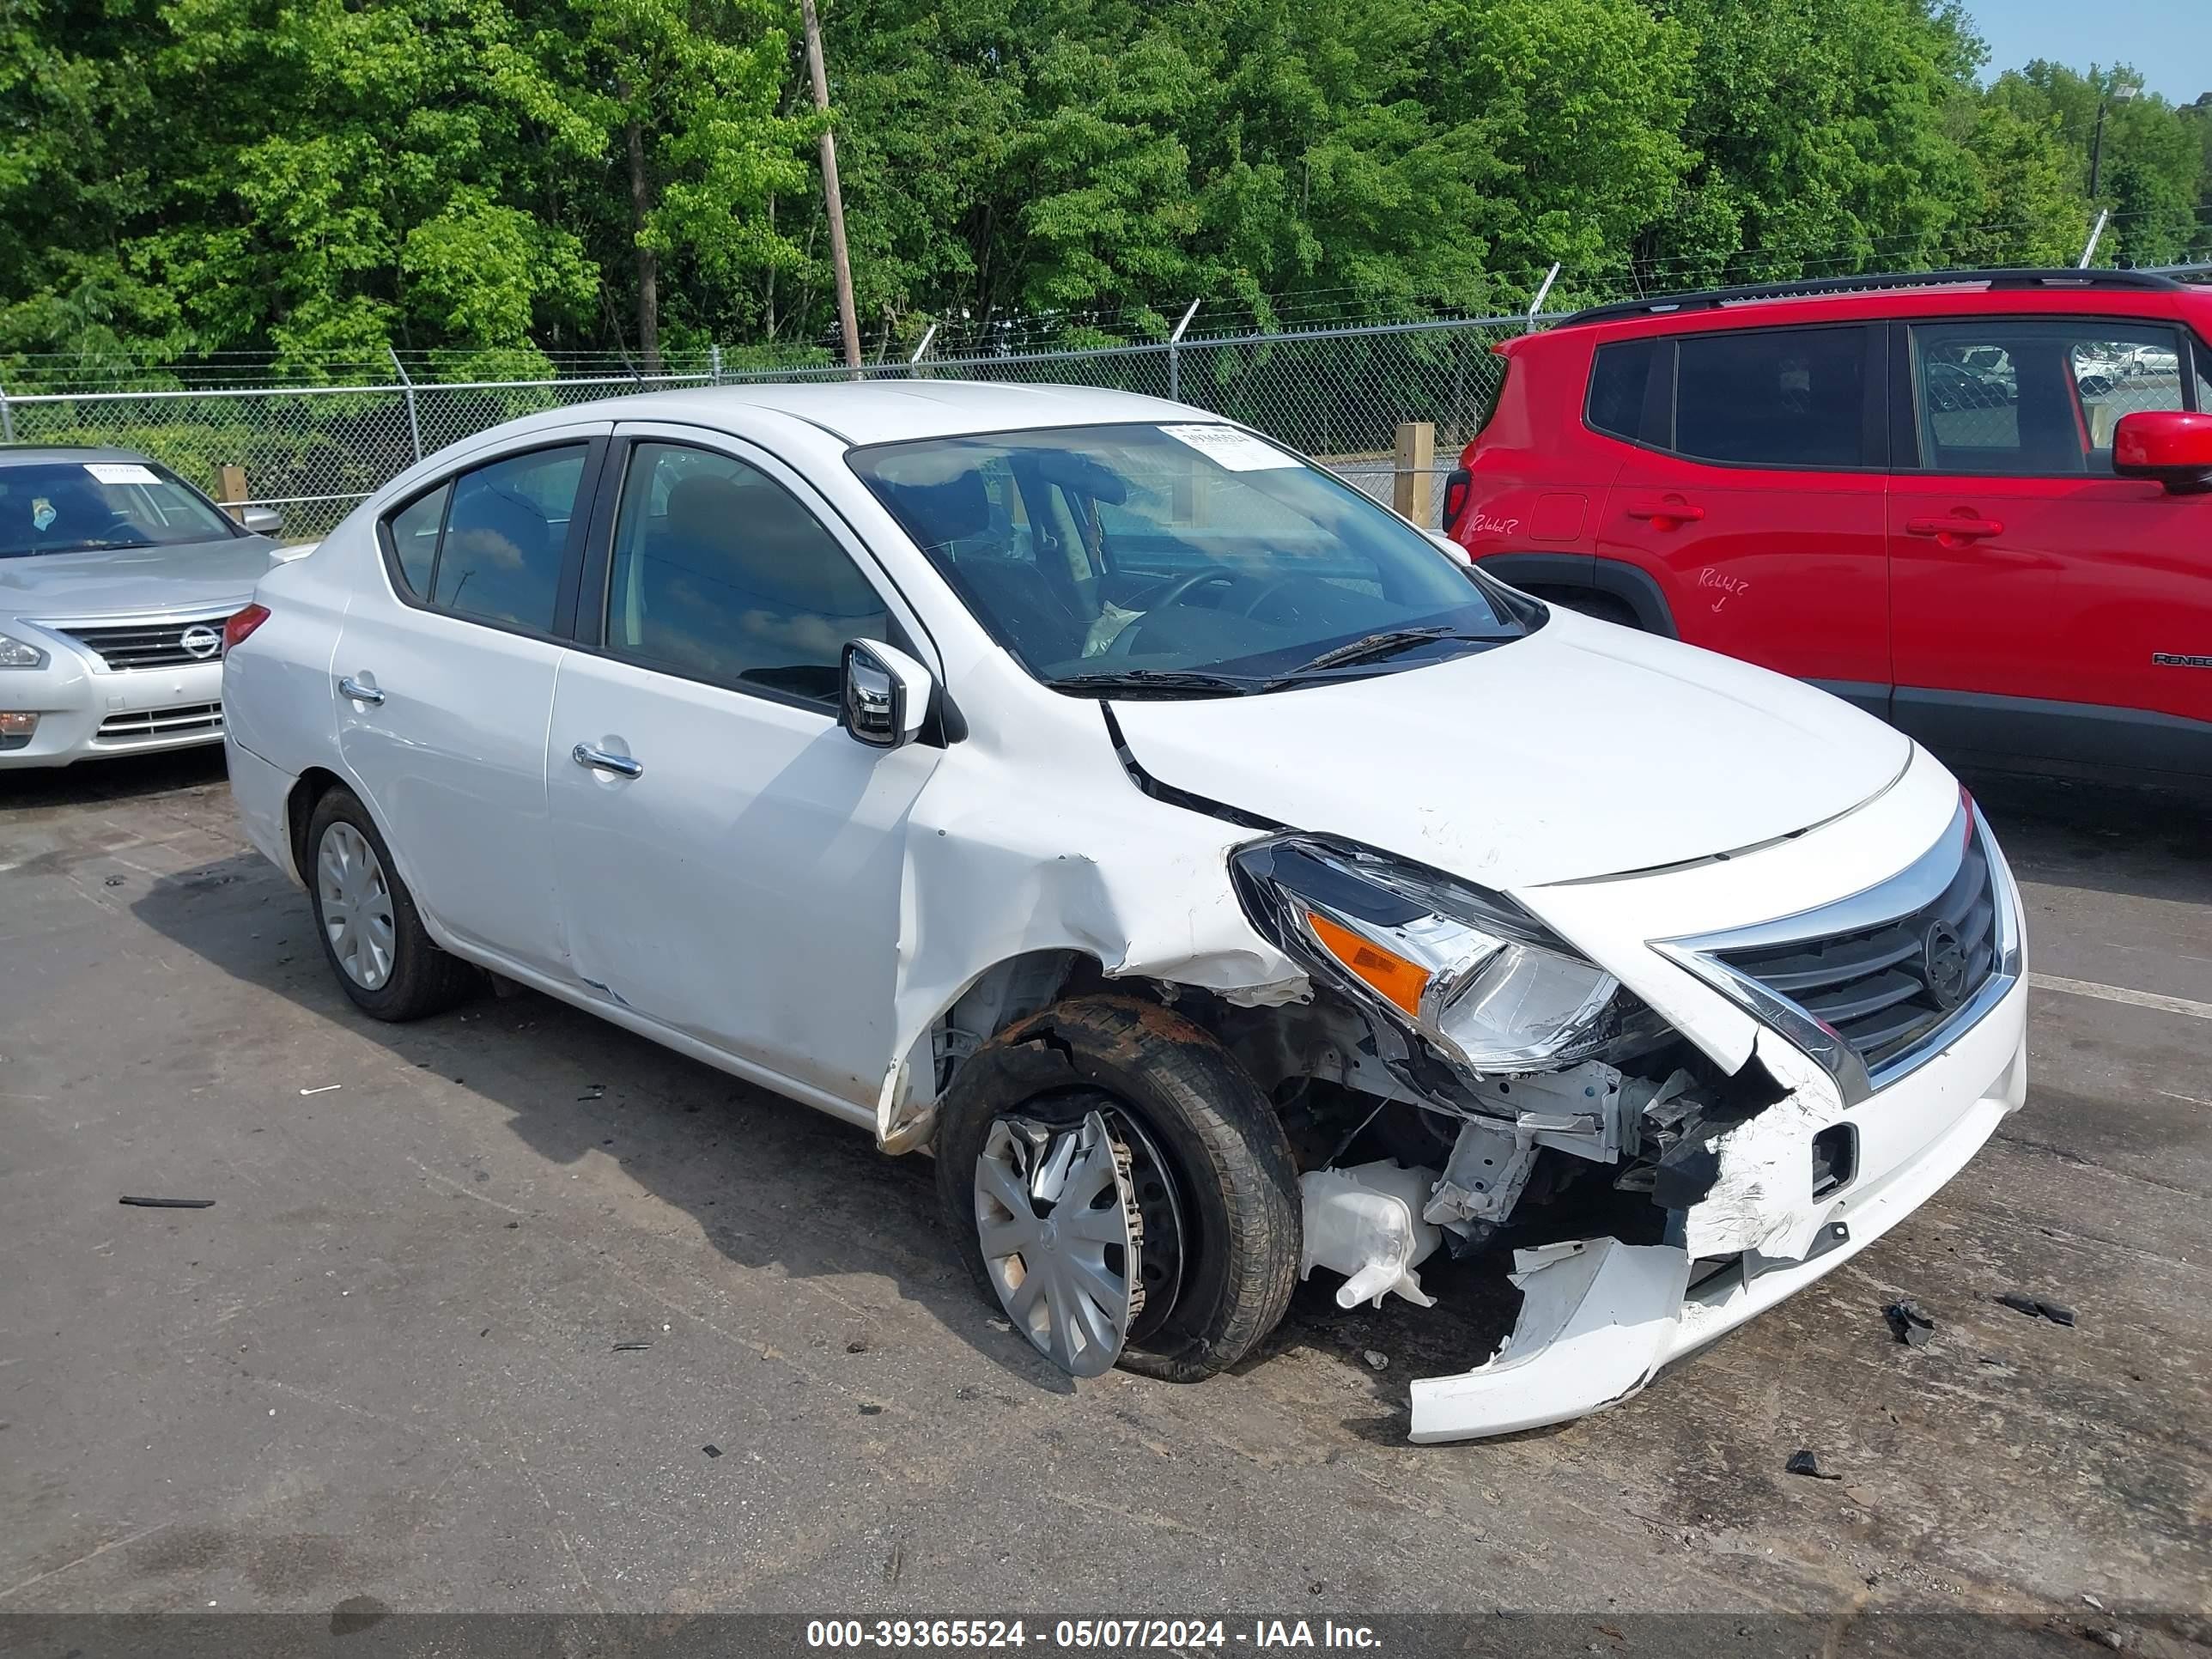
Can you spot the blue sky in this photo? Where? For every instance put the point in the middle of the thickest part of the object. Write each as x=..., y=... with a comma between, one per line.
x=2168, y=41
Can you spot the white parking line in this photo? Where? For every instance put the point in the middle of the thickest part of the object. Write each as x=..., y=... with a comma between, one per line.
x=2082, y=987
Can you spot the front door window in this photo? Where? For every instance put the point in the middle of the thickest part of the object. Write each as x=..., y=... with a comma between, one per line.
x=2036, y=397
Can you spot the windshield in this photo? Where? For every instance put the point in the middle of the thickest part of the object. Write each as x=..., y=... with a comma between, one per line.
x=1177, y=560
x=83, y=507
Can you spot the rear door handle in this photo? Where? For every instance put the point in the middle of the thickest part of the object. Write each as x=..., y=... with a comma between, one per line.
x=353, y=688
x=600, y=761
x=1673, y=510
x=1966, y=529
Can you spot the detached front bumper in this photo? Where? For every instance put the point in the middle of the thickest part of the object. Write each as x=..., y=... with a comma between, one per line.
x=1601, y=1318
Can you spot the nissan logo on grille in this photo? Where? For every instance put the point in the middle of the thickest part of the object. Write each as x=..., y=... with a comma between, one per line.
x=200, y=640
x=1943, y=965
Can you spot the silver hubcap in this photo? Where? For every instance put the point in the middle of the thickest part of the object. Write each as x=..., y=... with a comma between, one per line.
x=356, y=904
x=1058, y=1228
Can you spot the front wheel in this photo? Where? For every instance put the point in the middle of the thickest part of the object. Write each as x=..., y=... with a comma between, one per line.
x=1118, y=1184
x=371, y=935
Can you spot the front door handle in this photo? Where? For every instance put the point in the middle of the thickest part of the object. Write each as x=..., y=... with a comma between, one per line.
x=600, y=761
x=1667, y=513
x=353, y=688
x=1964, y=530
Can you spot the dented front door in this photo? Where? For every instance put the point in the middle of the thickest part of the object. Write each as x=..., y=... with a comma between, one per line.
x=731, y=862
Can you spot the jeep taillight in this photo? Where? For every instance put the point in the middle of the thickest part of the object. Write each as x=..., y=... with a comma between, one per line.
x=1457, y=487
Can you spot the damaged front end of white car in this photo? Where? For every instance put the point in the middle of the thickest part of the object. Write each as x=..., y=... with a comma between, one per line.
x=1540, y=1084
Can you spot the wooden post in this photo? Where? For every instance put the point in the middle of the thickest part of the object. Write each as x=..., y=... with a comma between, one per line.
x=231, y=491
x=1413, y=473
x=833, y=198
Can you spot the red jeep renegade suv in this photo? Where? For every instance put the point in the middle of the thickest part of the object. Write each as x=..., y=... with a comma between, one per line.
x=1977, y=503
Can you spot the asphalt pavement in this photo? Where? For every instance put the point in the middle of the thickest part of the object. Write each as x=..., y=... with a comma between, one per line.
x=511, y=1310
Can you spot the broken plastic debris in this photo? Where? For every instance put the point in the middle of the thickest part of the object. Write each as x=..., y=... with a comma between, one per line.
x=1597, y=1317
x=1375, y=1360
x=1366, y=1224
x=631, y=1347
x=712, y=1451
x=169, y=1203
x=322, y=1089
x=1802, y=1462
x=2036, y=1307
x=1910, y=1322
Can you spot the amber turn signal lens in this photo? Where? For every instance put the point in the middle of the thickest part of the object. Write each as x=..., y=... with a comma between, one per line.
x=1397, y=980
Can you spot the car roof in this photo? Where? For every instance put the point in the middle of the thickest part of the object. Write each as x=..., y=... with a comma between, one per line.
x=1941, y=288
x=50, y=454
x=891, y=411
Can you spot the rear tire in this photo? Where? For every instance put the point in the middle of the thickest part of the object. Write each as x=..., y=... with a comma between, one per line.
x=1236, y=1184
x=372, y=936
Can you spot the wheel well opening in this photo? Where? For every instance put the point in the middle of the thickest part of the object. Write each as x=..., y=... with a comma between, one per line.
x=300, y=806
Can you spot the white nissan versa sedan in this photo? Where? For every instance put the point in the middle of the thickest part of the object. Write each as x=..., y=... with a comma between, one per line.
x=1220, y=879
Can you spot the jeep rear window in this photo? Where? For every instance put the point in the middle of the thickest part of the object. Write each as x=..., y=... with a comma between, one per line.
x=1618, y=381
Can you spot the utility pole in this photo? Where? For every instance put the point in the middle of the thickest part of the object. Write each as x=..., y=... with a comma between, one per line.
x=2120, y=93
x=848, y=325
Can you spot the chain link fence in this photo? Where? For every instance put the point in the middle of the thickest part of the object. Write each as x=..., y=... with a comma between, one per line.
x=314, y=451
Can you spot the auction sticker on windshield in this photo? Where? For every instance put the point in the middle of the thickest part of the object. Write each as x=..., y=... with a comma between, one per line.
x=1239, y=451
x=121, y=472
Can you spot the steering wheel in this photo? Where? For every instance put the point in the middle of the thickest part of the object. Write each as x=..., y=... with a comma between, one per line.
x=1189, y=584
x=1268, y=592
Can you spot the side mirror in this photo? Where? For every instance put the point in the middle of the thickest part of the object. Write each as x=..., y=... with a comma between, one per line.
x=261, y=521
x=886, y=695
x=2168, y=445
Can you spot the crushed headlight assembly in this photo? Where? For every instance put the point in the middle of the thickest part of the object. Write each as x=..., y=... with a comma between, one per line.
x=1488, y=986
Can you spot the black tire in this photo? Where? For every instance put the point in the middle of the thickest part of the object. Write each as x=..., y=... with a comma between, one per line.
x=423, y=980
x=1236, y=1186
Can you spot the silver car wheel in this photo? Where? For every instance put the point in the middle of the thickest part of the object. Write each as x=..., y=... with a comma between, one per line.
x=1057, y=1220
x=354, y=896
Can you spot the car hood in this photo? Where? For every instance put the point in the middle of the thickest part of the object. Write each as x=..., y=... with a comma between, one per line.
x=1585, y=750
x=205, y=576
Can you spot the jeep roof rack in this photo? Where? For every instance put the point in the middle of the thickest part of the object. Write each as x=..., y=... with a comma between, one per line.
x=1708, y=298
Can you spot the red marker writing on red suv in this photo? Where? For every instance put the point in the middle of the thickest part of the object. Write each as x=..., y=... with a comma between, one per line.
x=1975, y=503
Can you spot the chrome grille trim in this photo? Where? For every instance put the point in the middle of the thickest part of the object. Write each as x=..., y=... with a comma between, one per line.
x=1905, y=897
x=128, y=643
x=182, y=720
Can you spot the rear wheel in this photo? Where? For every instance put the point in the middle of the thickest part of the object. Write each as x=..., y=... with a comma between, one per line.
x=1118, y=1184
x=372, y=934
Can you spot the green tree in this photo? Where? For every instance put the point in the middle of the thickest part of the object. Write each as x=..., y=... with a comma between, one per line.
x=1820, y=130
x=2151, y=162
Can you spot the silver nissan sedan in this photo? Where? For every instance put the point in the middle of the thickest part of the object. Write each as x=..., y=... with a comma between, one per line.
x=116, y=577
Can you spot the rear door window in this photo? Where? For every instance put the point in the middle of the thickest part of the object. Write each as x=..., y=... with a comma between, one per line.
x=1792, y=397
x=491, y=544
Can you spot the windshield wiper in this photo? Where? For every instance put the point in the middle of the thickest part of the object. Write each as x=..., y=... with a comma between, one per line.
x=1369, y=646
x=1168, y=681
